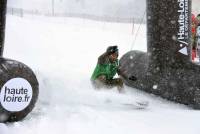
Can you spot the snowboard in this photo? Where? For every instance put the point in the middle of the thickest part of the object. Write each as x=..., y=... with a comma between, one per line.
x=137, y=104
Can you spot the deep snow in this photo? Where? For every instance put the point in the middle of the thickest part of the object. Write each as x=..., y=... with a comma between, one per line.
x=63, y=53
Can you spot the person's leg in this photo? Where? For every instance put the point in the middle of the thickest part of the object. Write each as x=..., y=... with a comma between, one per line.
x=117, y=82
x=102, y=82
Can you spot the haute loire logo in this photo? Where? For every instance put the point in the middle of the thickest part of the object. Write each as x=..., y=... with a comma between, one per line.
x=16, y=94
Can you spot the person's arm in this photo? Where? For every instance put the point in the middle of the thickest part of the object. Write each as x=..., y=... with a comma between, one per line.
x=102, y=78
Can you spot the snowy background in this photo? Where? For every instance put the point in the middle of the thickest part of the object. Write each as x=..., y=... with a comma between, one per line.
x=63, y=53
x=101, y=8
x=195, y=6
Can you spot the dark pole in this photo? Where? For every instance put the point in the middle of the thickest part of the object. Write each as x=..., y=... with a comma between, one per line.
x=2, y=24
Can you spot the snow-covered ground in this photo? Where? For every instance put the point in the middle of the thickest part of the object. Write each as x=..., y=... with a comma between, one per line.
x=63, y=53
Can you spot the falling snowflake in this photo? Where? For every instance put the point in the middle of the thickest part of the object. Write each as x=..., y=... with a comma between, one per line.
x=155, y=86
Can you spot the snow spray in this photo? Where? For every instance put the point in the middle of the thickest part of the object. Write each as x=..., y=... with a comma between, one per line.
x=166, y=69
x=19, y=87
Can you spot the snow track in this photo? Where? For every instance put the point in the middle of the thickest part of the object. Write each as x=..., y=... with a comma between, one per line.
x=63, y=54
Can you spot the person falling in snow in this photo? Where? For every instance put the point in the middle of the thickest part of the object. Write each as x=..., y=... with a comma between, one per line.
x=107, y=67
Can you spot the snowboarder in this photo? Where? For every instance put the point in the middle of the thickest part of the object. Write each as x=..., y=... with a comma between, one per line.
x=106, y=69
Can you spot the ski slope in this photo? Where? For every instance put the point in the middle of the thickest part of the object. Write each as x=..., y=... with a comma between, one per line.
x=63, y=53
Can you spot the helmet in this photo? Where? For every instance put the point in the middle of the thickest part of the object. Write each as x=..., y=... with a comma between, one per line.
x=112, y=49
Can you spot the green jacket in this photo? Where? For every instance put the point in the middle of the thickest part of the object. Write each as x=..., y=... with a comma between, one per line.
x=105, y=67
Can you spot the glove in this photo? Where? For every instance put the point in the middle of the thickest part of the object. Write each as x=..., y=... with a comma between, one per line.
x=132, y=78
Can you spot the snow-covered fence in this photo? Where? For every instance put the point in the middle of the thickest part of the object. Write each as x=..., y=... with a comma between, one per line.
x=20, y=12
x=16, y=11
